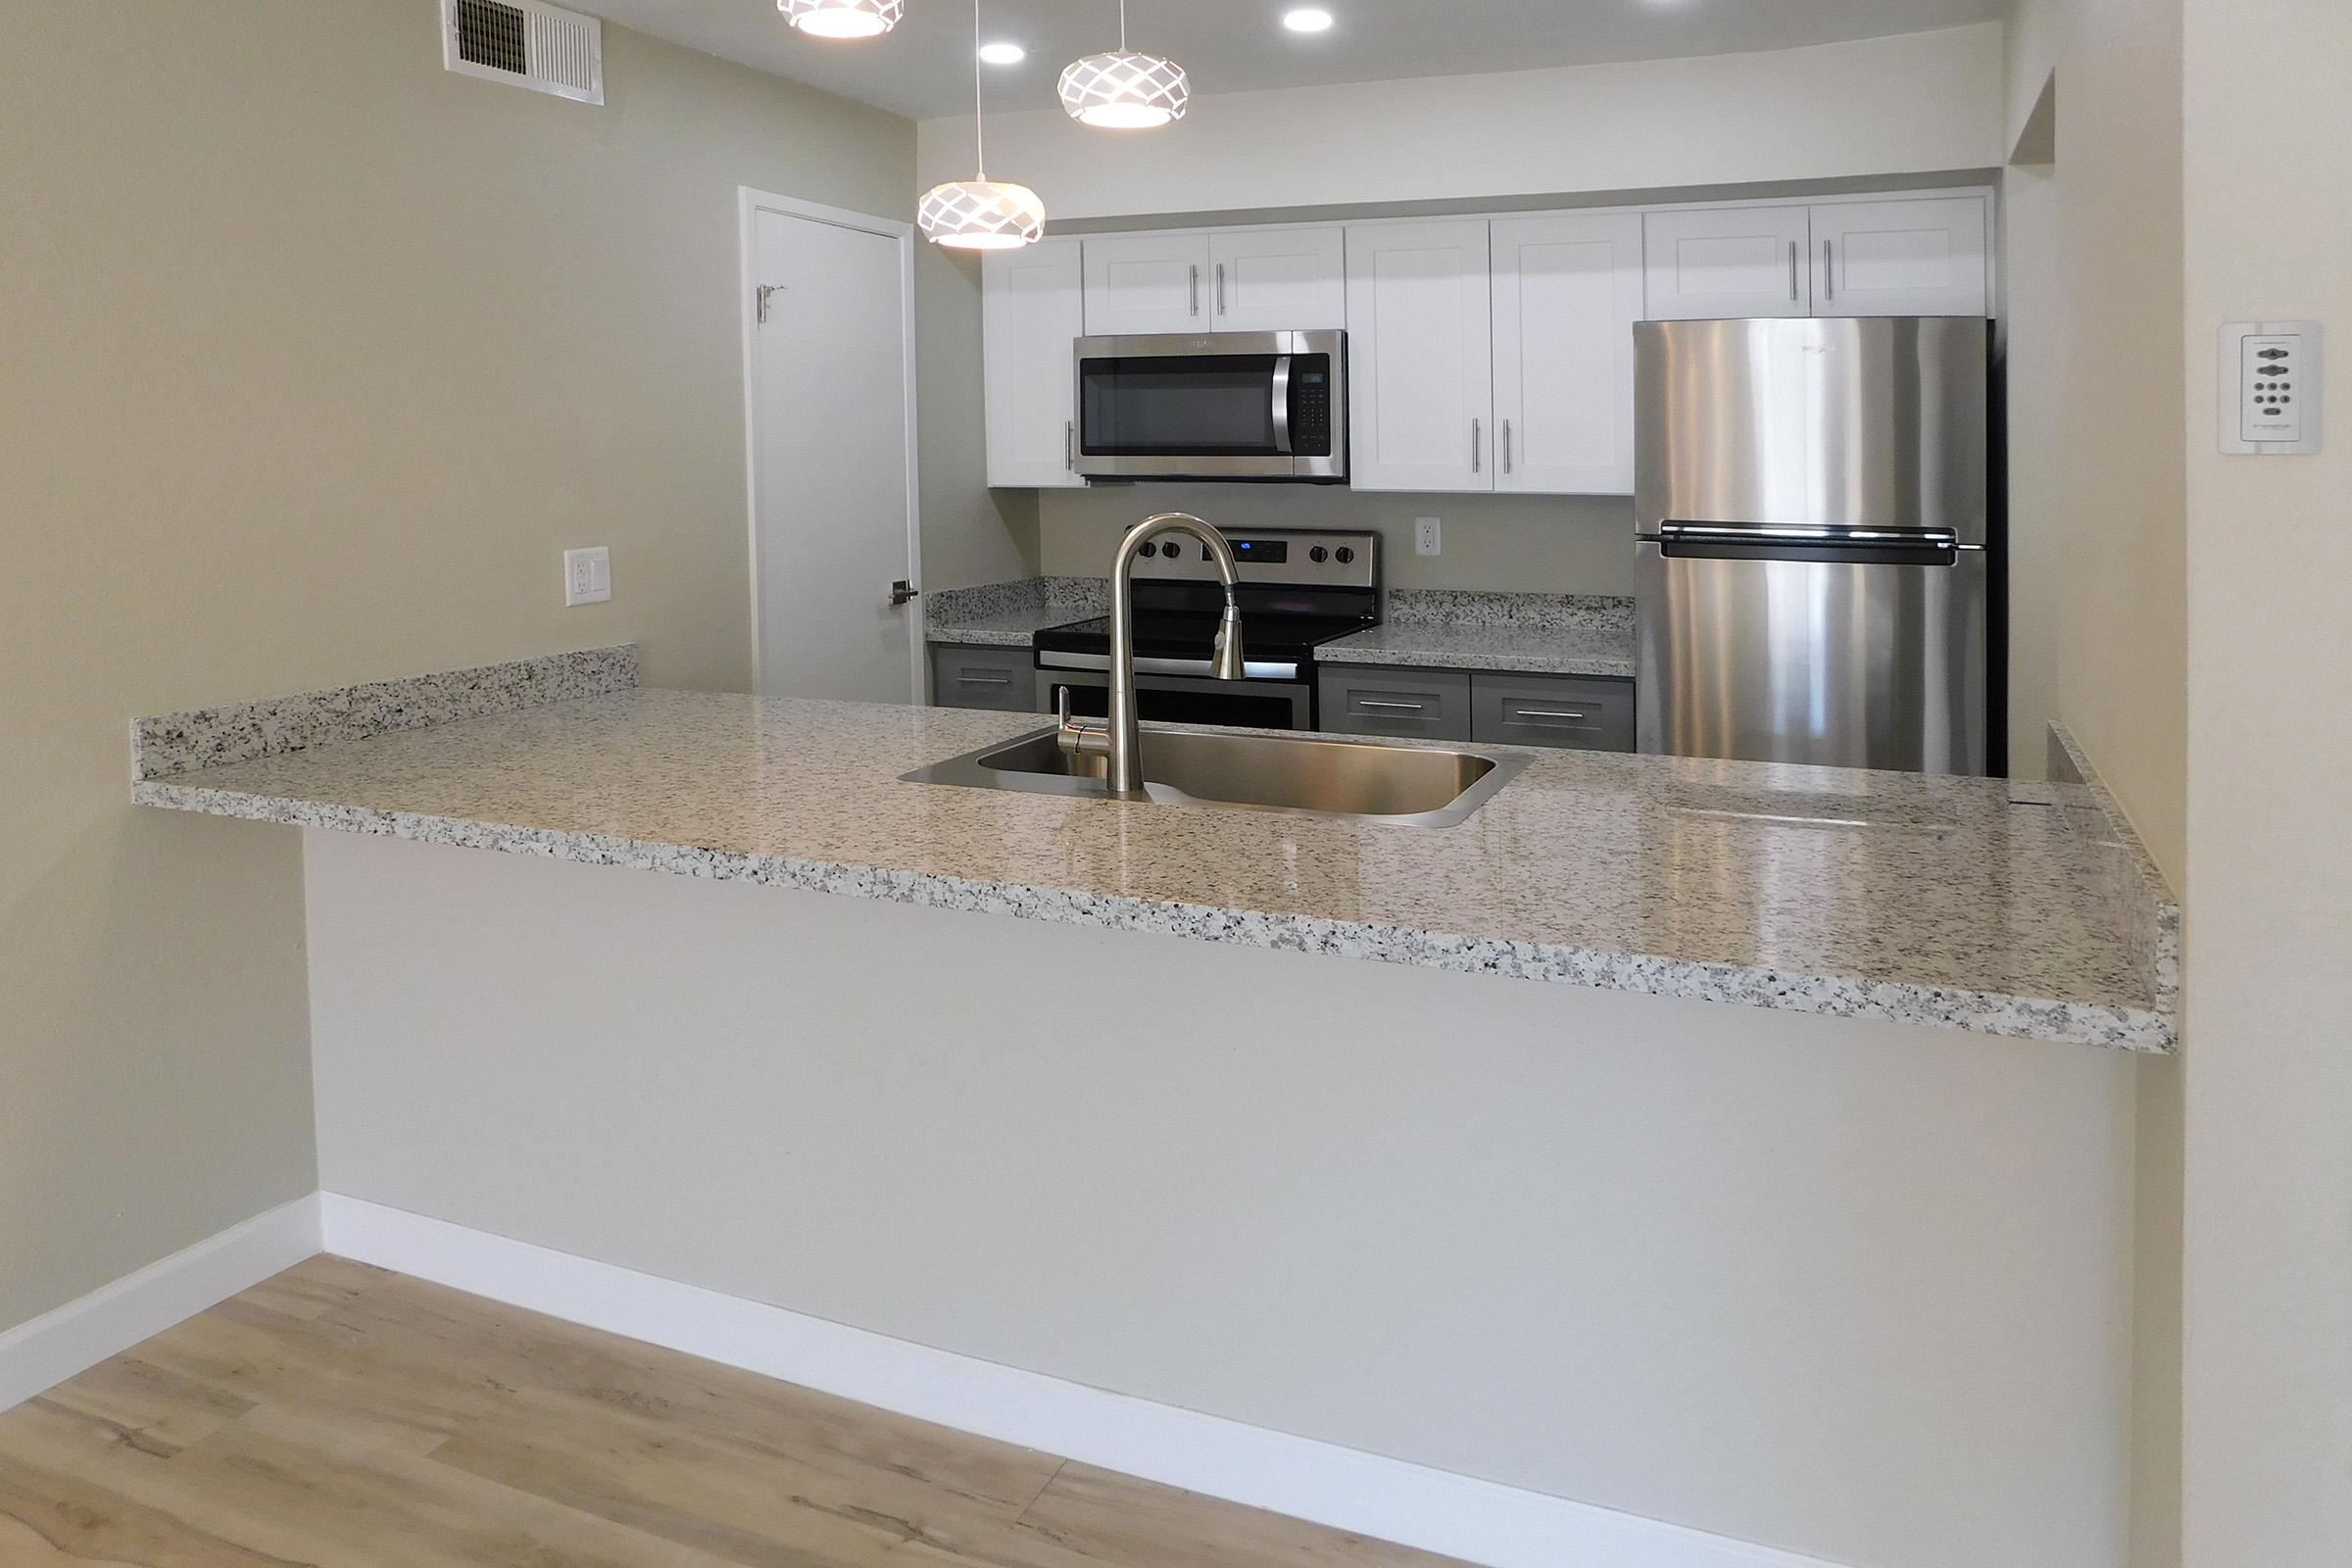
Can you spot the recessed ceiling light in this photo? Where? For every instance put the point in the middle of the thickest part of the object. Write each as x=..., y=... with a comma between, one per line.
x=1310, y=19
x=1004, y=54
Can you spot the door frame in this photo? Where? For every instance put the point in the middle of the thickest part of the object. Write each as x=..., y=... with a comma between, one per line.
x=749, y=203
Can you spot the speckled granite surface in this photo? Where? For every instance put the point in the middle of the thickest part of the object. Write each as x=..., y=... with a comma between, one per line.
x=208, y=736
x=1550, y=634
x=2144, y=904
x=1006, y=614
x=1930, y=900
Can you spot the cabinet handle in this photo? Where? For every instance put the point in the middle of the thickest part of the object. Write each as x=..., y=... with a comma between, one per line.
x=1069, y=445
x=1829, y=269
x=1546, y=712
x=1478, y=446
x=1793, y=261
x=1506, y=446
x=1403, y=708
x=1220, y=288
x=984, y=680
x=1196, y=288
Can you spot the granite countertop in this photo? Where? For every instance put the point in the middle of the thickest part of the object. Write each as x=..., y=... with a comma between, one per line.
x=1564, y=651
x=1006, y=615
x=1006, y=629
x=1931, y=901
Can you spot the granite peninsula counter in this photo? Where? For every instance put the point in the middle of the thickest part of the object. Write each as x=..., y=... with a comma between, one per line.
x=1967, y=904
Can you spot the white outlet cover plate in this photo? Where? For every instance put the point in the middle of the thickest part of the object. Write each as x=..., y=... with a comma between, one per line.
x=587, y=576
x=1429, y=537
x=2257, y=419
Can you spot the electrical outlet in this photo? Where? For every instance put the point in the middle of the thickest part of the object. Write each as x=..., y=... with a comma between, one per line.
x=1428, y=538
x=587, y=576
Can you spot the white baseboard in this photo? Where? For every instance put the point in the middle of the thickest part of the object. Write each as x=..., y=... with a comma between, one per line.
x=1388, y=1499
x=41, y=1354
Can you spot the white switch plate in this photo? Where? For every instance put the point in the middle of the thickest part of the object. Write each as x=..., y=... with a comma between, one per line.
x=2269, y=388
x=1428, y=538
x=587, y=576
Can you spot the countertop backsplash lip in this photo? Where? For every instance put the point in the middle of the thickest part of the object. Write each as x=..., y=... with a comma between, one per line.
x=1966, y=910
x=2145, y=901
x=168, y=745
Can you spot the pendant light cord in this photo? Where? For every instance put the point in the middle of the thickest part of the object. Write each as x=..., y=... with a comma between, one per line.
x=1122, y=26
x=980, y=115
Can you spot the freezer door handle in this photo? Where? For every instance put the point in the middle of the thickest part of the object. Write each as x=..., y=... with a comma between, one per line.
x=1868, y=547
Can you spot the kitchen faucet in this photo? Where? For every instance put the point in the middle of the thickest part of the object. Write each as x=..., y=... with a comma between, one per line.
x=1120, y=741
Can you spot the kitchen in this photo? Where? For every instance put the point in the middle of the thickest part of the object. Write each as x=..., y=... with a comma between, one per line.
x=1722, y=1158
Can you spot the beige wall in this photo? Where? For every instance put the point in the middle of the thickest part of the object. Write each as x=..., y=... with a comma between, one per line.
x=317, y=356
x=1916, y=102
x=1847, y=1288
x=1527, y=544
x=2091, y=269
x=2269, y=1463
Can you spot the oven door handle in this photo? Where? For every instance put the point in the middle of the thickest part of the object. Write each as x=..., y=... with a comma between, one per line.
x=1282, y=406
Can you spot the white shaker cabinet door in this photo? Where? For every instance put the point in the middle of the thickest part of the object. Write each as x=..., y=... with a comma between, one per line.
x=1421, y=357
x=1715, y=262
x=1900, y=258
x=1033, y=314
x=1568, y=290
x=1146, y=284
x=1278, y=280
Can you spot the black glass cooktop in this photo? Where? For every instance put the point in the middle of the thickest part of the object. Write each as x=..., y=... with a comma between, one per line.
x=1184, y=634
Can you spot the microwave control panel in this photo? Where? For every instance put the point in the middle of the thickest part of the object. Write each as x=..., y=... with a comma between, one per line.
x=1310, y=406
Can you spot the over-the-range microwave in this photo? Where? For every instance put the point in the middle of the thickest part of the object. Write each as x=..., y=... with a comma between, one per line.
x=1217, y=406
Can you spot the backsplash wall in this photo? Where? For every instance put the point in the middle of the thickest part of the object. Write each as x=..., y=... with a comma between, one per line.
x=1516, y=544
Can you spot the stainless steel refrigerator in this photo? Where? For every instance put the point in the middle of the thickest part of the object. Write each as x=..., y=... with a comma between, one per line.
x=1813, y=567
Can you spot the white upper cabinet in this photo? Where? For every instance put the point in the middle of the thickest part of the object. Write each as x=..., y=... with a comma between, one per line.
x=1278, y=280
x=1900, y=258
x=1568, y=290
x=1712, y=262
x=1148, y=283
x=1421, y=357
x=1033, y=312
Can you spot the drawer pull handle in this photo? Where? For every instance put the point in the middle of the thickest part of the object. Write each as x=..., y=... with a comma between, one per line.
x=984, y=680
x=1409, y=708
x=1546, y=712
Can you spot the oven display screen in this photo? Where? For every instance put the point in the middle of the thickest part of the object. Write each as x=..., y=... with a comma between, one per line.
x=1266, y=551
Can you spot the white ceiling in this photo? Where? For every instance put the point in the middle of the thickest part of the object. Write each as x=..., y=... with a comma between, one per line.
x=924, y=68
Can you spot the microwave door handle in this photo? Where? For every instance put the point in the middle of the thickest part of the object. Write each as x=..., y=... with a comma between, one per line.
x=1282, y=405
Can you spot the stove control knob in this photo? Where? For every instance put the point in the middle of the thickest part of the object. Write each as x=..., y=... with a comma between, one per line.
x=1318, y=555
x=1149, y=551
x=1346, y=555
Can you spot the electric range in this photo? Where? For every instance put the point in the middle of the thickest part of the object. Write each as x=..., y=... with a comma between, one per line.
x=1301, y=590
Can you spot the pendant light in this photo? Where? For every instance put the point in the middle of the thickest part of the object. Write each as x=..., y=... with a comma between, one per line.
x=1122, y=91
x=843, y=19
x=981, y=215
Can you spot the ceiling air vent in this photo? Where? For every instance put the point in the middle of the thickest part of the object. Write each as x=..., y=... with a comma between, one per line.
x=527, y=42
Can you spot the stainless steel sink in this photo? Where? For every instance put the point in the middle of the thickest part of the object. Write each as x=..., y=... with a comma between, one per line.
x=1401, y=785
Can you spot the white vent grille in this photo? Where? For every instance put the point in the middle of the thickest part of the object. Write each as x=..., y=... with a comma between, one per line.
x=527, y=43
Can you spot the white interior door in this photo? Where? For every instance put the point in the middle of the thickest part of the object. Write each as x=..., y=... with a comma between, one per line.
x=832, y=473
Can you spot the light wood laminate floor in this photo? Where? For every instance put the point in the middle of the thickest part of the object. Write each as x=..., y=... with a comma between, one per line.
x=344, y=1417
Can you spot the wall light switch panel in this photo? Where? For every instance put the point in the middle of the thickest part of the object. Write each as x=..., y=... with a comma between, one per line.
x=2270, y=391
x=587, y=576
x=1428, y=538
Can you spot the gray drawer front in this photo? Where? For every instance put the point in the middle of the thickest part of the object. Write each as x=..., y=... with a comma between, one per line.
x=1432, y=704
x=1588, y=714
x=1001, y=679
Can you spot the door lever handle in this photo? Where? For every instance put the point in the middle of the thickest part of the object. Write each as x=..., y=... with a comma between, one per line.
x=903, y=592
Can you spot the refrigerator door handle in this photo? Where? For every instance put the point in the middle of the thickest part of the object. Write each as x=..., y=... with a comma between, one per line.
x=1878, y=547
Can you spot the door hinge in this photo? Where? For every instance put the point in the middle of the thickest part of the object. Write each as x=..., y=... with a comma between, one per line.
x=768, y=291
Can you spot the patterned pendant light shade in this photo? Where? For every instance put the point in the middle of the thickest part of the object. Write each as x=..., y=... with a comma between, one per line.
x=983, y=213
x=843, y=19
x=1123, y=90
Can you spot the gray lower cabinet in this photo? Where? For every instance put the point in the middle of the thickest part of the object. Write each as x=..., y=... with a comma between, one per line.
x=1429, y=705
x=1001, y=679
x=1594, y=714
x=1586, y=713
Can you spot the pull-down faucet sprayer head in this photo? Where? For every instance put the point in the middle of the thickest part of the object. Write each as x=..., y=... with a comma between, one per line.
x=1230, y=664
